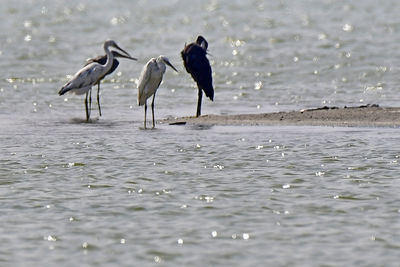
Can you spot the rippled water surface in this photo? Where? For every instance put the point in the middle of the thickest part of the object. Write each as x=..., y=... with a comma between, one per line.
x=110, y=193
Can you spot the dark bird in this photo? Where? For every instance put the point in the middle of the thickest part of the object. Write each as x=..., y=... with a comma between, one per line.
x=195, y=60
x=149, y=81
x=90, y=75
x=102, y=60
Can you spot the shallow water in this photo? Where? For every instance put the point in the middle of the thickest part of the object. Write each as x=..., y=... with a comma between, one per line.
x=111, y=193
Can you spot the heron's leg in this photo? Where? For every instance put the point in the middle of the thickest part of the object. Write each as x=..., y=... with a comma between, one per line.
x=90, y=101
x=145, y=111
x=198, y=113
x=152, y=108
x=86, y=107
x=98, y=97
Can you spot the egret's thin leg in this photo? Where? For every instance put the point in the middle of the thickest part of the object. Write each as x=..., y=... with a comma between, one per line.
x=145, y=111
x=152, y=109
x=198, y=113
x=98, y=97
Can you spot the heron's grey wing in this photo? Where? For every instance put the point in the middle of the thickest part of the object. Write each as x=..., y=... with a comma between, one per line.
x=143, y=81
x=85, y=77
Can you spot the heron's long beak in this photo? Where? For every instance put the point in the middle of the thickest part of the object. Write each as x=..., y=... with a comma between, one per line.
x=119, y=48
x=169, y=64
x=116, y=54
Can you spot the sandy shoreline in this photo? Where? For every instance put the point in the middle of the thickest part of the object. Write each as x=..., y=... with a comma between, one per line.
x=361, y=116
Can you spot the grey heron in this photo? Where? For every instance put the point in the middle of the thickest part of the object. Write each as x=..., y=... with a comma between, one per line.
x=102, y=60
x=149, y=81
x=195, y=60
x=90, y=75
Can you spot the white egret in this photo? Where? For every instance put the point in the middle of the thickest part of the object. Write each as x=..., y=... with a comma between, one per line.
x=149, y=81
x=90, y=75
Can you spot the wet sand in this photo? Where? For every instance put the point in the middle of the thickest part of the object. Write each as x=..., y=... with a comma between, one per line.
x=361, y=116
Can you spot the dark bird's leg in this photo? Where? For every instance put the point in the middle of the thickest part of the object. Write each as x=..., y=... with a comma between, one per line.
x=145, y=111
x=198, y=113
x=152, y=108
x=98, y=97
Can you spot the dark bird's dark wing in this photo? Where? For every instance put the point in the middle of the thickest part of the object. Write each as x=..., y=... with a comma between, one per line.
x=196, y=63
x=102, y=60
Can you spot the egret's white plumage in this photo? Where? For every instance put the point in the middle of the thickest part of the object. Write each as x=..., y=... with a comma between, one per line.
x=149, y=81
x=90, y=75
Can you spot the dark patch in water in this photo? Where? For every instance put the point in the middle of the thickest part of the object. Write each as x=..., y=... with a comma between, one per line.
x=178, y=123
x=80, y=120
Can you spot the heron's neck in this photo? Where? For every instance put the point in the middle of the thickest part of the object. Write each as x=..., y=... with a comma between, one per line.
x=110, y=59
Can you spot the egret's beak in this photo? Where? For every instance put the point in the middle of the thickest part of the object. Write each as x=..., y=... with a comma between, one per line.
x=169, y=64
x=116, y=54
x=119, y=48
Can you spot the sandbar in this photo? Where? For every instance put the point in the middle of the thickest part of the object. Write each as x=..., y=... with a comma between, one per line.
x=370, y=115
